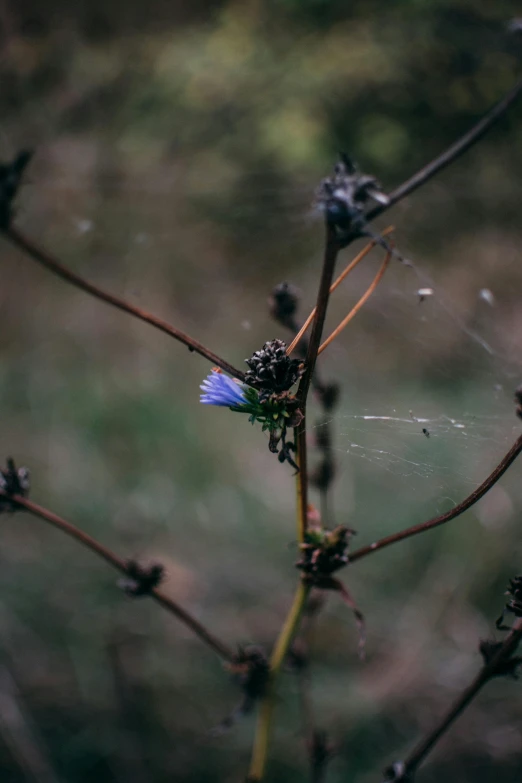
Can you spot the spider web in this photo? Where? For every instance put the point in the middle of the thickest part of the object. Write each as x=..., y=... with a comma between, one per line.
x=435, y=438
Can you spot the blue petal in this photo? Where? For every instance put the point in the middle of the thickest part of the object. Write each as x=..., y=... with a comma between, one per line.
x=219, y=389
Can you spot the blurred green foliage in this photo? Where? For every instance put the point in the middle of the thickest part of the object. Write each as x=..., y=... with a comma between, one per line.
x=177, y=153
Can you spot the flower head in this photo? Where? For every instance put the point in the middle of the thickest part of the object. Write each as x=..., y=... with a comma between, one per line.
x=271, y=371
x=219, y=389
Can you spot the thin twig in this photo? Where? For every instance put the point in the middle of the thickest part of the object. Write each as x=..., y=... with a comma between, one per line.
x=491, y=669
x=362, y=301
x=452, y=153
x=475, y=496
x=120, y=565
x=52, y=264
x=337, y=282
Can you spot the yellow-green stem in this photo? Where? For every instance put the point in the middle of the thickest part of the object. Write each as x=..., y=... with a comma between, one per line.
x=301, y=485
x=264, y=721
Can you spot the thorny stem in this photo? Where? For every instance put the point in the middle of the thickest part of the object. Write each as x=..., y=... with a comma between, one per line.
x=49, y=262
x=488, y=671
x=475, y=496
x=452, y=153
x=120, y=565
x=264, y=721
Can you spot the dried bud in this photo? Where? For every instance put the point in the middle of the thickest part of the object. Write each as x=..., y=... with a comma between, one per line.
x=504, y=667
x=140, y=580
x=514, y=590
x=271, y=370
x=324, y=552
x=344, y=197
x=323, y=474
x=328, y=395
x=283, y=304
x=10, y=176
x=397, y=772
x=251, y=669
x=13, y=481
x=321, y=752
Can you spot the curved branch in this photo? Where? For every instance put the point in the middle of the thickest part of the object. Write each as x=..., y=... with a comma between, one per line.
x=476, y=495
x=491, y=669
x=452, y=153
x=53, y=265
x=120, y=565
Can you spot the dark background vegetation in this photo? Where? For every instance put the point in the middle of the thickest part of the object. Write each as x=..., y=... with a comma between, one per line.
x=178, y=147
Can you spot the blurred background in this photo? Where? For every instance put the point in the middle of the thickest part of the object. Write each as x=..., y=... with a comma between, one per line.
x=178, y=147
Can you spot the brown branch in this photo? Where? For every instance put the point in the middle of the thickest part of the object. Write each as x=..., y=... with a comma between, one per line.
x=53, y=265
x=120, y=565
x=475, y=496
x=452, y=153
x=497, y=665
x=331, y=252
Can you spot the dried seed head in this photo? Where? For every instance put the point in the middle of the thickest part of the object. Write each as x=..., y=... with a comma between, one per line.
x=344, y=197
x=271, y=371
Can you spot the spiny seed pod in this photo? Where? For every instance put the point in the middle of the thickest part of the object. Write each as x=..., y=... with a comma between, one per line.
x=271, y=371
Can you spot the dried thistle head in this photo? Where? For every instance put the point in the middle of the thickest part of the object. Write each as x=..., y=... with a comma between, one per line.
x=271, y=371
x=344, y=196
x=13, y=481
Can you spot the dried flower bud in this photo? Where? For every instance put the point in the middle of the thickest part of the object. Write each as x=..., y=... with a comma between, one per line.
x=140, y=580
x=324, y=552
x=514, y=590
x=344, y=197
x=271, y=371
x=10, y=176
x=251, y=668
x=502, y=668
x=13, y=481
x=283, y=305
x=328, y=394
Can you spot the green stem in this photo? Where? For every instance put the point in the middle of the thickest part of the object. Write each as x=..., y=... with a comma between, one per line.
x=264, y=721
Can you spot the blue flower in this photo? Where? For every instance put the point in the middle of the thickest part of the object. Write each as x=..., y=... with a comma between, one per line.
x=219, y=389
